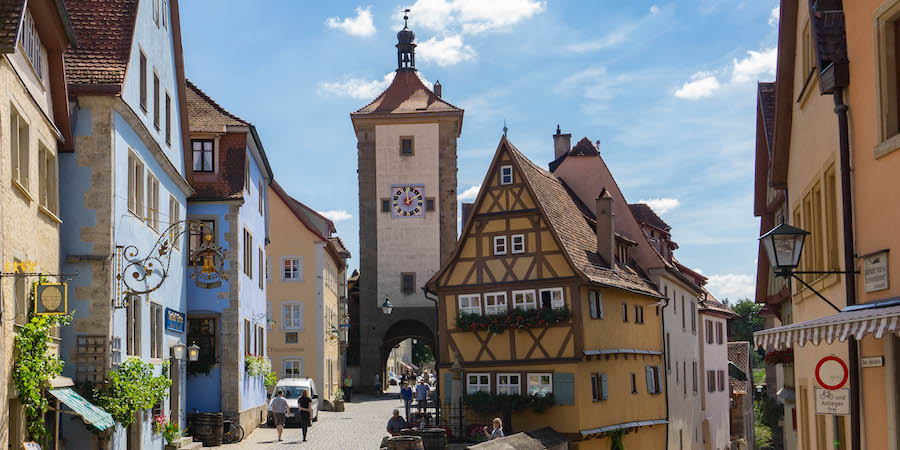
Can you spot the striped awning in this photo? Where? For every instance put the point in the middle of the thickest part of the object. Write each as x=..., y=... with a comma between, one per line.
x=856, y=321
x=90, y=413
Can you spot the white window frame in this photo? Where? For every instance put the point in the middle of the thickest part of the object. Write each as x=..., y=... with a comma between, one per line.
x=152, y=201
x=500, y=245
x=525, y=304
x=506, y=178
x=595, y=303
x=288, y=324
x=499, y=306
x=20, y=130
x=479, y=386
x=507, y=387
x=31, y=44
x=294, y=361
x=540, y=386
x=299, y=262
x=473, y=303
x=555, y=303
x=136, y=170
x=513, y=244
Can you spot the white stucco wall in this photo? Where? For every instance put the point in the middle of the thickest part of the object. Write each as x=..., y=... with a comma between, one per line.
x=716, y=404
x=406, y=244
x=682, y=351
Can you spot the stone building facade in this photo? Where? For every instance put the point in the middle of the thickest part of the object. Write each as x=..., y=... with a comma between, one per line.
x=407, y=208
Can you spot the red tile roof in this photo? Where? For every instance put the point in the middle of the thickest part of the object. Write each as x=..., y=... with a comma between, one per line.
x=644, y=214
x=104, y=30
x=584, y=147
x=205, y=115
x=406, y=94
x=10, y=18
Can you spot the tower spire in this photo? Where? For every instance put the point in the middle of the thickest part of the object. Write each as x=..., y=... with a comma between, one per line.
x=406, y=49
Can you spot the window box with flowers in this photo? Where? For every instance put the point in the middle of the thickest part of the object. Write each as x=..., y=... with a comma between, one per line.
x=780, y=357
x=513, y=319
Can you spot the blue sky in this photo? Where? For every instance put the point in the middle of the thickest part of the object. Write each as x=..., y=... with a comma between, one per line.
x=668, y=87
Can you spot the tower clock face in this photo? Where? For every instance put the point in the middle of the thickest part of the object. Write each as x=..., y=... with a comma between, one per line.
x=408, y=201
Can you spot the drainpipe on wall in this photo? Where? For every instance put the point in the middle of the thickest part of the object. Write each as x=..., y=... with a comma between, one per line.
x=849, y=260
x=662, y=314
x=436, y=352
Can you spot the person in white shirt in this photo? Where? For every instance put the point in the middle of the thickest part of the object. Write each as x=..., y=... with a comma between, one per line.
x=279, y=409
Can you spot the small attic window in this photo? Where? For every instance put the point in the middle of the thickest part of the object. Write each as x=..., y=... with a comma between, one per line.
x=506, y=176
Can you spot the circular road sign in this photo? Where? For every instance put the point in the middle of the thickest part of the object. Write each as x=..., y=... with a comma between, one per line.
x=832, y=373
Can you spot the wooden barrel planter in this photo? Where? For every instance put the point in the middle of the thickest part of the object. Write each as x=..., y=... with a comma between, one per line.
x=208, y=428
x=432, y=438
x=405, y=443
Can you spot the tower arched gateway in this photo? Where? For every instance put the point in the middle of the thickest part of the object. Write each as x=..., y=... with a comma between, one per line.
x=407, y=205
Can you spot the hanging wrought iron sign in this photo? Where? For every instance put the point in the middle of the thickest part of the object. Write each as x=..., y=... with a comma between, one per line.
x=50, y=299
x=137, y=274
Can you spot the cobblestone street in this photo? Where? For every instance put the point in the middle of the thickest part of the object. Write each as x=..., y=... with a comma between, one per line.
x=360, y=426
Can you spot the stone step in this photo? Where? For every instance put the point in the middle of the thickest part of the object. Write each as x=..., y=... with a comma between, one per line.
x=192, y=446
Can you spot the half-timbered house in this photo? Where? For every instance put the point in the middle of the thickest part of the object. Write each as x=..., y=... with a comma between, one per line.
x=539, y=298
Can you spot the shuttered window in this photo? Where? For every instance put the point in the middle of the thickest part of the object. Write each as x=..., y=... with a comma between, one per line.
x=563, y=387
x=595, y=301
x=599, y=388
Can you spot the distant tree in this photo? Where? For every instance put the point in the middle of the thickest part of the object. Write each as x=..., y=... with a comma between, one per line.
x=421, y=353
x=745, y=324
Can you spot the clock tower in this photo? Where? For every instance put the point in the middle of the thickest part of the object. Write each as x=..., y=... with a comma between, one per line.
x=407, y=208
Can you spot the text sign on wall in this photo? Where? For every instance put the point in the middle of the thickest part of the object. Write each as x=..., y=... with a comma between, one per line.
x=872, y=361
x=875, y=271
x=174, y=320
x=832, y=403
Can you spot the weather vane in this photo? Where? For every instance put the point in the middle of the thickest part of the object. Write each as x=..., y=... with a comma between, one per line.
x=504, y=128
x=405, y=17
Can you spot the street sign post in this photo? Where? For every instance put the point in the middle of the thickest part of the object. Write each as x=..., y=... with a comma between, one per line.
x=832, y=402
x=832, y=373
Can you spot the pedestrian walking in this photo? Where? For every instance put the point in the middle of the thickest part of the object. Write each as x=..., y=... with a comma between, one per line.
x=406, y=394
x=279, y=409
x=348, y=387
x=395, y=424
x=496, y=432
x=378, y=386
x=422, y=395
x=305, y=411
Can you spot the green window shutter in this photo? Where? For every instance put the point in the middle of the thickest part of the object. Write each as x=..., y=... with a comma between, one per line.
x=447, y=388
x=604, y=391
x=650, y=387
x=564, y=388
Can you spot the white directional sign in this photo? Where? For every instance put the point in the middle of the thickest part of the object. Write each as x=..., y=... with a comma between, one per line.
x=832, y=403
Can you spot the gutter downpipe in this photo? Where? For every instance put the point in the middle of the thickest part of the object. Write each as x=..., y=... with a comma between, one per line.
x=437, y=354
x=662, y=314
x=849, y=261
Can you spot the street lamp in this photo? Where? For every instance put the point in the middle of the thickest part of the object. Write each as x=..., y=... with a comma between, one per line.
x=783, y=245
x=387, y=306
x=193, y=352
x=178, y=351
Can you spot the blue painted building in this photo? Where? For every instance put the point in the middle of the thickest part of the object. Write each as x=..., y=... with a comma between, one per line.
x=122, y=187
x=231, y=176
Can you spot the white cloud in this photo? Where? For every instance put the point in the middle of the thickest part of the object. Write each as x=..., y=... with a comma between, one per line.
x=336, y=215
x=662, y=205
x=361, y=89
x=361, y=25
x=774, y=16
x=702, y=84
x=732, y=286
x=469, y=194
x=447, y=51
x=754, y=65
x=654, y=10
x=612, y=39
x=473, y=16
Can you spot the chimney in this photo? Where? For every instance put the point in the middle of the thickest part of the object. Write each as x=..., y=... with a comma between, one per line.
x=562, y=143
x=466, y=211
x=437, y=88
x=606, y=228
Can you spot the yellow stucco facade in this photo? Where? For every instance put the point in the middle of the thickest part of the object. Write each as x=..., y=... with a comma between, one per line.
x=511, y=256
x=303, y=295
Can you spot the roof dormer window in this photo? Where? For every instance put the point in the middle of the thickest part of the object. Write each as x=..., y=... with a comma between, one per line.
x=31, y=44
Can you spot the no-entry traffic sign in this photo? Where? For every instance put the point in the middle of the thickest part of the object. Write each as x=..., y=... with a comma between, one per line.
x=832, y=373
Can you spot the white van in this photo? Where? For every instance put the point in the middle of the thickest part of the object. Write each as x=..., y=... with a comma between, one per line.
x=293, y=388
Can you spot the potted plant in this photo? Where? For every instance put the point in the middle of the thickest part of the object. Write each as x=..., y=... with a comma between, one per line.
x=338, y=400
x=170, y=431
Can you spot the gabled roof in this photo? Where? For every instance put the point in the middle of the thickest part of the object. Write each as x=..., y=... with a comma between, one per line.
x=766, y=97
x=644, y=214
x=406, y=94
x=205, y=115
x=584, y=147
x=104, y=30
x=10, y=17
x=560, y=207
x=709, y=304
x=297, y=209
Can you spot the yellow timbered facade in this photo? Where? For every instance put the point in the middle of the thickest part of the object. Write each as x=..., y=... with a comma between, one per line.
x=541, y=297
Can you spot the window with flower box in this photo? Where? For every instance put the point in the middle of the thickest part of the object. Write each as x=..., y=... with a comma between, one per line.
x=540, y=383
x=509, y=383
x=470, y=304
x=552, y=298
x=478, y=382
x=524, y=299
x=495, y=303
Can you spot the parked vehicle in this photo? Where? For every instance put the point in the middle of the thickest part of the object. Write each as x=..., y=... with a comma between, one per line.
x=393, y=379
x=293, y=388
